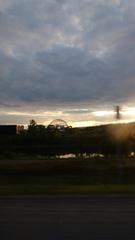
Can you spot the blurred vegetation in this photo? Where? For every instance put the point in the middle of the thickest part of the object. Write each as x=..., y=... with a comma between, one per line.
x=37, y=140
x=103, y=161
x=67, y=176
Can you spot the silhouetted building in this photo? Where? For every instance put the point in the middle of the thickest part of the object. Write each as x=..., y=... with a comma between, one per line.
x=8, y=130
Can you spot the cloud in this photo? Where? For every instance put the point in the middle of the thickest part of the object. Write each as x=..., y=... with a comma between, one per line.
x=67, y=53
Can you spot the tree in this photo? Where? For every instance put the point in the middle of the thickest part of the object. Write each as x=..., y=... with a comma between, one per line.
x=32, y=127
x=32, y=123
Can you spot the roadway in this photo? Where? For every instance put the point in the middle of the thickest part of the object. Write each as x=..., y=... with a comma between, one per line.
x=62, y=217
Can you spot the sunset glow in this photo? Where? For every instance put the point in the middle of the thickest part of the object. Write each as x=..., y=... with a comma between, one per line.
x=76, y=117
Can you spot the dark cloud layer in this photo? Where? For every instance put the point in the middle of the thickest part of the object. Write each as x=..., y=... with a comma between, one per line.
x=67, y=52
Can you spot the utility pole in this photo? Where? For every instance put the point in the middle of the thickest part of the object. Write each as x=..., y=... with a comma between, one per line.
x=117, y=109
x=118, y=146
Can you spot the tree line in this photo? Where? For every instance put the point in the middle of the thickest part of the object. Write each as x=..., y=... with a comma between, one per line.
x=108, y=140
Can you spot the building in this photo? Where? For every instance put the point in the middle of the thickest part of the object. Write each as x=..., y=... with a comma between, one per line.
x=7, y=130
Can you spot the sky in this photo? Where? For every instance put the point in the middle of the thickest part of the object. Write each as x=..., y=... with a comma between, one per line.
x=67, y=59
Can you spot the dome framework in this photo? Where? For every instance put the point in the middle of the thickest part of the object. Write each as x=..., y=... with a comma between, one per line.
x=58, y=124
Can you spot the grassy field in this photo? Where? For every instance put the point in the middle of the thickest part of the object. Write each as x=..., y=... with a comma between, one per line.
x=67, y=176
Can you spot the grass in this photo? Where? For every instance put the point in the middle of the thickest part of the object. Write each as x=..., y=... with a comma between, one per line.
x=67, y=176
x=71, y=189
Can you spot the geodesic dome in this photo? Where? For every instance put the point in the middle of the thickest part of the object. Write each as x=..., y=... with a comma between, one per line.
x=58, y=123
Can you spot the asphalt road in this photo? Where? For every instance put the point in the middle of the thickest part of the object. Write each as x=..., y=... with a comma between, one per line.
x=61, y=217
